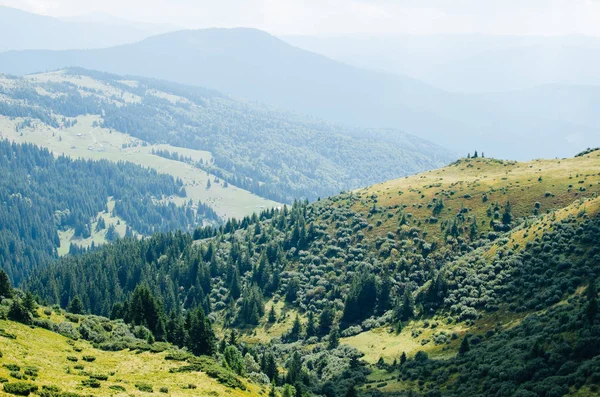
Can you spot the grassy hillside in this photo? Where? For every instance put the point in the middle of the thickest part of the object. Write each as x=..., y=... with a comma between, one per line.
x=478, y=188
x=49, y=359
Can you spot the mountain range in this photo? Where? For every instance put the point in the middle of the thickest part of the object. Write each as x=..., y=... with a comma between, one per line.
x=254, y=65
x=20, y=30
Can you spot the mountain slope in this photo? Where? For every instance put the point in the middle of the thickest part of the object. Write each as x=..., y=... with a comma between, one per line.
x=274, y=154
x=485, y=249
x=21, y=30
x=55, y=358
x=254, y=65
x=53, y=205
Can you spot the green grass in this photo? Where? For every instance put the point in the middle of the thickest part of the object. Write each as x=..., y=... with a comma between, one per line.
x=464, y=184
x=74, y=142
x=48, y=352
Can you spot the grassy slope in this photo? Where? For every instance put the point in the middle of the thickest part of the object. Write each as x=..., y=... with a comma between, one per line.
x=464, y=184
x=48, y=352
x=74, y=142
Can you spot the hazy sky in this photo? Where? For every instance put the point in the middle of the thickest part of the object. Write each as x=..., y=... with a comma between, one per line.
x=532, y=17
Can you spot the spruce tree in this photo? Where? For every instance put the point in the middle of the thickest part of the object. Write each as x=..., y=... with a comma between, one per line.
x=334, y=338
x=272, y=315
x=5, y=287
x=403, y=358
x=75, y=306
x=200, y=336
x=464, y=346
x=311, y=329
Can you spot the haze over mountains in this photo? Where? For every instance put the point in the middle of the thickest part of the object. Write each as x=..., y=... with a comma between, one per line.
x=255, y=65
x=473, y=63
x=20, y=30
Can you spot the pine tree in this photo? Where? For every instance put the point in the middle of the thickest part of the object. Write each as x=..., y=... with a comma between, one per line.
x=334, y=338
x=405, y=311
x=200, y=336
x=383, y=294
x=29, y=303
x=311, y=329
x=5, y=287
x=464, y=346
x=326, y=321
x=403, y=358
x=296, y=330
x=507, y=215
x=272, y=315
x=75, y=306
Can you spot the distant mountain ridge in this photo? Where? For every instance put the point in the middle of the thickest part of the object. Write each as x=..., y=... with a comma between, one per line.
x=20, y=30
x=252, y=64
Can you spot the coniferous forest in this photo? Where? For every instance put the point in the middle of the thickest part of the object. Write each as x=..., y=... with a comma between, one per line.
x=41, y=195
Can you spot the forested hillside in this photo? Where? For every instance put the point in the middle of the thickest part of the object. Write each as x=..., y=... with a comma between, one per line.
x=42, y=195
x=271, y=153
x=404, y=288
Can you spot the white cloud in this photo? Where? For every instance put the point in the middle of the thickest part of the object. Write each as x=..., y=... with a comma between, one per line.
x=541, y=17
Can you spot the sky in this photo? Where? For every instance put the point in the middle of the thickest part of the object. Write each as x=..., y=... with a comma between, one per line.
x=331, y=17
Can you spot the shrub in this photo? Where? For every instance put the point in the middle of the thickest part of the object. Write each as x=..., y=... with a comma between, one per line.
x=72, y=358
x=164, y=389
x=91, y=382
x=12, y=367
x=145, y=387
x=89, y=359
x=31, y=371
x=117, y=388
x=20, y=388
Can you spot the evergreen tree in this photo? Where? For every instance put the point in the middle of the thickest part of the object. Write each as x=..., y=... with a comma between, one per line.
x=5, y=287
x=311, y=329
x=144, y=309
x=18, y=312
x=403, y=358
x=296, y=331
x=507, y=215
x=294, y=368
x=234, y=287
x=383, y=294
x=200, y=336
x=29, y=303
x=334, y=338
x=464, y=346
x=75, y=306
x=405, y=311
x=326, y=319
x=272, y=315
